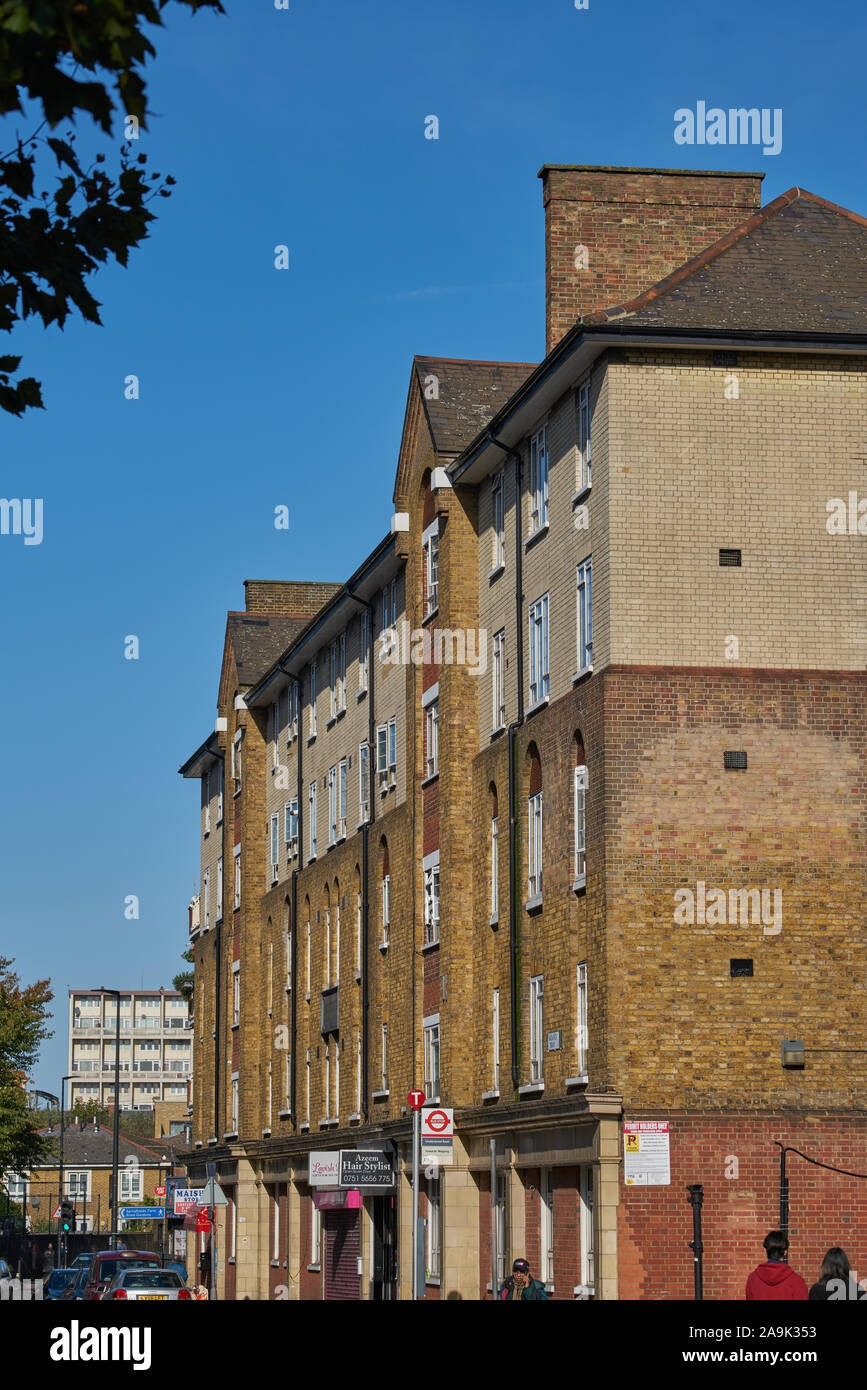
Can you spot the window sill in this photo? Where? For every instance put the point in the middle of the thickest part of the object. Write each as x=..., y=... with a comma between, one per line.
x=311, y=859
x=266, y=1134
x=360, y=694
x=219, y=822
x=205, y=834
x=328, y=1124
x=433, y=1280
x=434, y=776
x=579, y=883
x=533, y=904
x=198, y=1143
x=576, y=1080
x=355, y=1118
x=532, y=1088
x=497, y=571
x=582, y=675
x=314, y=1269
x=232, y=1134
x=428, y=617
x=495, y=920
x=307, y=998
x=379, y=1095
x=581, y=496
x=304, y=1126
x=498, y=733
x=540, y=704
x=362, y=823
x=235, y=1027
x=275, y=1264
x=358, y=977
x=429, y=945
x=311, y=738
x=537, y=535
x=383, y=946
x=231, y=1260
x=236, y=792
x=218, y=920
x=284, y=1114
x=490, y=1095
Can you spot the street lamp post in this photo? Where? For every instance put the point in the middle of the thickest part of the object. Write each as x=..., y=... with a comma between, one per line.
x=115, y=1138
x=61, y=1243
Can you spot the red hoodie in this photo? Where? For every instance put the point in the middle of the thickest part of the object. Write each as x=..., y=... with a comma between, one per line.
x=775, y=1280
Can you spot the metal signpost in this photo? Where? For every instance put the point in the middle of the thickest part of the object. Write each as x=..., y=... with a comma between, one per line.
x=415, y=1101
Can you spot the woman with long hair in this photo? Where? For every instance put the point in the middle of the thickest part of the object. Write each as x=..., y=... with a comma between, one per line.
x=835, y=1278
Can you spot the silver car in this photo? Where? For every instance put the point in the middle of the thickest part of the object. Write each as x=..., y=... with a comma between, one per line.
x=147, y=1285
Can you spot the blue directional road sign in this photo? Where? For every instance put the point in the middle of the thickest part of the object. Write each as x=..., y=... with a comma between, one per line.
x=142, y=1213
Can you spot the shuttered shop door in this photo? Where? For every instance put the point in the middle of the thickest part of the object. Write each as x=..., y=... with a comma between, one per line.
x=342, y=1249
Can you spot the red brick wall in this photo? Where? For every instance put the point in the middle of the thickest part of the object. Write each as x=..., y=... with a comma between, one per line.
x=309, y=1281
x=825, y=1208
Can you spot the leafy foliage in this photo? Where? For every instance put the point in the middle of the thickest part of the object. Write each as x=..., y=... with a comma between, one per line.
x=71, y=57
x=23, y=1027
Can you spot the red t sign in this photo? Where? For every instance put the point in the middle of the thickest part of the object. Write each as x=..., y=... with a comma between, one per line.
x=415, y=1100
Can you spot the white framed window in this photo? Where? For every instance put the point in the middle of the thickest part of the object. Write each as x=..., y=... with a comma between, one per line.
x=237, y=760
x=579, y=819
x=287, y=942
x=431, y=738
x=385, y=626
x=584, y=601
x=432, y=1058
x=537, y=1025
x=386, y=752
x=275, y=1203
x=269, y=1109
x=311, y=688
x=386, y=907
x=434, y=1254
x=539, y=481
x=287, y=1083
x=333, y=686
x=236, y=994
x=275, y=733
x=270, y=976
x=534, y=846
x=546, y=1226
x=290, y=826
x=307, y=1066
x=358, y=1071
x=383, y=1070
x=78, y=1185
x=432, y=899
x=584, y=479
x=292, y=711
x=358, y=934
x=315, y=1234
x=363, y=783
x=237, y=859
x=495, y=868
x=218, y=905
x=327, y=981
x=364, y=655
x=394, y=603
x=327, y=1080
x=311, y=812
x=275, y=848
x=234, y=1124
x=498, y=519
x=495, y=1038
x=206, y=803
x=588, y=1259
x=581, y=1019
x=539, y=680
x=341, y=799
x=206, y=895
x=338, y=675
x=430, y=548
x=16, y=1183
x=309, y=934
x=332, y=805
x=498, y=674
x=220, y=779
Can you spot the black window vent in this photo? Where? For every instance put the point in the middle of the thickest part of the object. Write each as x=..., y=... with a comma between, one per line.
x=735, y=760
x=741, y=969
x=725, y=359
x=730, y=557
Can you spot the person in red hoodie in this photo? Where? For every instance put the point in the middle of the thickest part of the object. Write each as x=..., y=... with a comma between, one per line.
x=774, y=1279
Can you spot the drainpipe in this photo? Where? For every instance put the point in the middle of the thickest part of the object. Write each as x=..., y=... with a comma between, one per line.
x=514, y=885
x=218, y=964
x=365, y=854
x=293, y=1008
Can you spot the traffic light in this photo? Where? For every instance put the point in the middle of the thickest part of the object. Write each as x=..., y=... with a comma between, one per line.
x=67, y=1217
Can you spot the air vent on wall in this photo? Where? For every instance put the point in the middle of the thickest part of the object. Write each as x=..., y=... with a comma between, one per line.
x=730, y=558
x=741, y=969
x=735, y=760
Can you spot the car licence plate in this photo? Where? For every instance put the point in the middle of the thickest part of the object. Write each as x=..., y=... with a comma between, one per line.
x=152, y=1297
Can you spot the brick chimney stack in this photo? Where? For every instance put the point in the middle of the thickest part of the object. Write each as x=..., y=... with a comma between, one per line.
x=632, y=227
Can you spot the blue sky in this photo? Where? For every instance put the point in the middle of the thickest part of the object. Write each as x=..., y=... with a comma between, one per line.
x=305, y=127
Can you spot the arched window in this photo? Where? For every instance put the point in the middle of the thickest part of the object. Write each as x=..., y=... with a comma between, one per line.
x=534, y=828
x=287, y=939
x=326, y=938
x=579, y=815
x=385, y=895
x=358, y=923
x=495, y=855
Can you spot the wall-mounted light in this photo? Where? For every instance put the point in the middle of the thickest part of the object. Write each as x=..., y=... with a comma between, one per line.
x=793, y=1053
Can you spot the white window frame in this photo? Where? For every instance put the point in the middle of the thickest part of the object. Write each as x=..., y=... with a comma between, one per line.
x=498, y=680
x=386, y=752
x=546, y=1225
x=495, y=868
x=309, y=936
x=431, y=738
x=206, y=801
x=237, y=760
x=364, y=654
x=270, y=1106
x=432, y=1046
x=275, y=733
x=275, y=847
x=431, y=869
x=327, y=963
x=383, y=1070
x=341, y=798
x=290, y=827
x=495, y=1037
x=385, y=904
x=588, y=1255
x=538, y=481
x=430, y=550
x=538, y=644
x=537, y=1028
x=434, y=1228
x=236, y=993
x=287, y=941
x=74, y=1188
x=206, y=896
x=307, y=1064
x=498, y=520
x=358, y=1071
x=237, y=860
x=291, y=711
x=363, y=783
x=275, y=1225
x=315, y=1234
x=582, y=1018
x=584, y=612
x=220, y=784
x=579, y=826
x=234, y=1120
x=218, y=905
x=332, y=805
x=312, y=800
x=585, y=427
x=358, y=924
x=534, y=846
x=311, y=695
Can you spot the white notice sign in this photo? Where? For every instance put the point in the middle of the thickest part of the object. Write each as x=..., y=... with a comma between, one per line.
x=646, y=1153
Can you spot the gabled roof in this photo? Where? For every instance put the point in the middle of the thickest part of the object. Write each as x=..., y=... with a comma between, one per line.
x=467, y=395
x=85, y=1147
x=258, y=639
x=798, y=266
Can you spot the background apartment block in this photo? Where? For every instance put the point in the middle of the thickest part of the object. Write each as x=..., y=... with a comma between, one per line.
x=155, y=1048
x=671, y=700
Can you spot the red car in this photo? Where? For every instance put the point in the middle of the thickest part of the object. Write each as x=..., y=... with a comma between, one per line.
x=107, y=1263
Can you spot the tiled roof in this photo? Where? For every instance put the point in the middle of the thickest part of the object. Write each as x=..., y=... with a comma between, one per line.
x=257, y=641
x=467, y=395
x=82, y=1147
x=798, y=266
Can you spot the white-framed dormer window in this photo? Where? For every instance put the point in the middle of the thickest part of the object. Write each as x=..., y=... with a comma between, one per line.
x=534, y=846
x=220, y=780
x=539, y=678
x=498, y=520
x=206, y=896
x=581, y=1020
x=537, y=1024
x=584, y=600
x=495, y=868
x=431, y=738
x=237, y=760
x=431, y=1026
x=311, y=688
x=363, y=783
x=218, y=905
x=539, y=481
x=386, y=752
x=311, y=813
x=237, y=858
x=584, y=477
x=431, y=869
x=275, y=848
x=290, y=829
x=498, y=675
x=364, y=655
x=206, y=803
x=430, y=550
x=579, y=818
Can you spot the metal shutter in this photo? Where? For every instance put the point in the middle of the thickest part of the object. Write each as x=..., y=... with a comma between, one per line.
x=342, y=1248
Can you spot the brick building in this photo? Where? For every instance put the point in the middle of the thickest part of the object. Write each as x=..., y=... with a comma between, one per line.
x=557, y=804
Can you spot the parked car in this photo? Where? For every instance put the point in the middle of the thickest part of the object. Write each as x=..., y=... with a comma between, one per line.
x=107, y=1263
x=75, y=1290
x=83, y=1260
x=5, y=1271
x=54, y=1283
x=148, y=1285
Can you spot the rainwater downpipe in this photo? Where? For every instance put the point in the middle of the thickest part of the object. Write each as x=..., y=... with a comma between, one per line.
x=365, y=855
